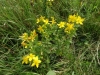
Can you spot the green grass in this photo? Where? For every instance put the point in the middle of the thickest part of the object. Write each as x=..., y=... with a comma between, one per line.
x=19, y=16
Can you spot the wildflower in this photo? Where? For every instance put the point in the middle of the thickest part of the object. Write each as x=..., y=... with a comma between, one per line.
x=25, y=60
x=79, y=20
x=24, y=44
x=40, y=19
x=69, y=27
x=31, y=57
x=32, y=35
x=46, y=21
x=36, y=62
x=24, y=37
x=61, y=24
x=40, y=29
x=72, y=18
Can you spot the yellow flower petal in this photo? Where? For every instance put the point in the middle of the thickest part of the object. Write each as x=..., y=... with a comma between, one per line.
x=40, y=29
x=70, y=26
x=72, y=18
x=36, y=62
x=79, y=20
x=61, y=24
x=25, y=60
x=31, y=57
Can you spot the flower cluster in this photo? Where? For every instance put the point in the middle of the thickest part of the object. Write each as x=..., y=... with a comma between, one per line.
x=47, y=30
x=75, y=19
x=32, y=59
x=27, y=38
x=72, y=21
x=44, y=25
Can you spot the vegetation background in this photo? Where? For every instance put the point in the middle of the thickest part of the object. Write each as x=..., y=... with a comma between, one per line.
x=19, y=16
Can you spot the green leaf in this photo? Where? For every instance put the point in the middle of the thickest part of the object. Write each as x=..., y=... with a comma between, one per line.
x=51, y=73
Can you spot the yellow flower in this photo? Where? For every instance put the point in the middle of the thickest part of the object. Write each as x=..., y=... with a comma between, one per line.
x=24, y=44
x=40, y=29
x=72, y=18
x=31, y=57
x=25, y=60
x=79, y=20
x=46, y=21
x=24, y=37
x=32, y=35
x=28, y=58
x=61, y=24
x=69, y=27
x=36, y=62
x=40, y=19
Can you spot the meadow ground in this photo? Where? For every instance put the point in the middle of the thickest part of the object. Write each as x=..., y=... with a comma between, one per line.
x=49, y=37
